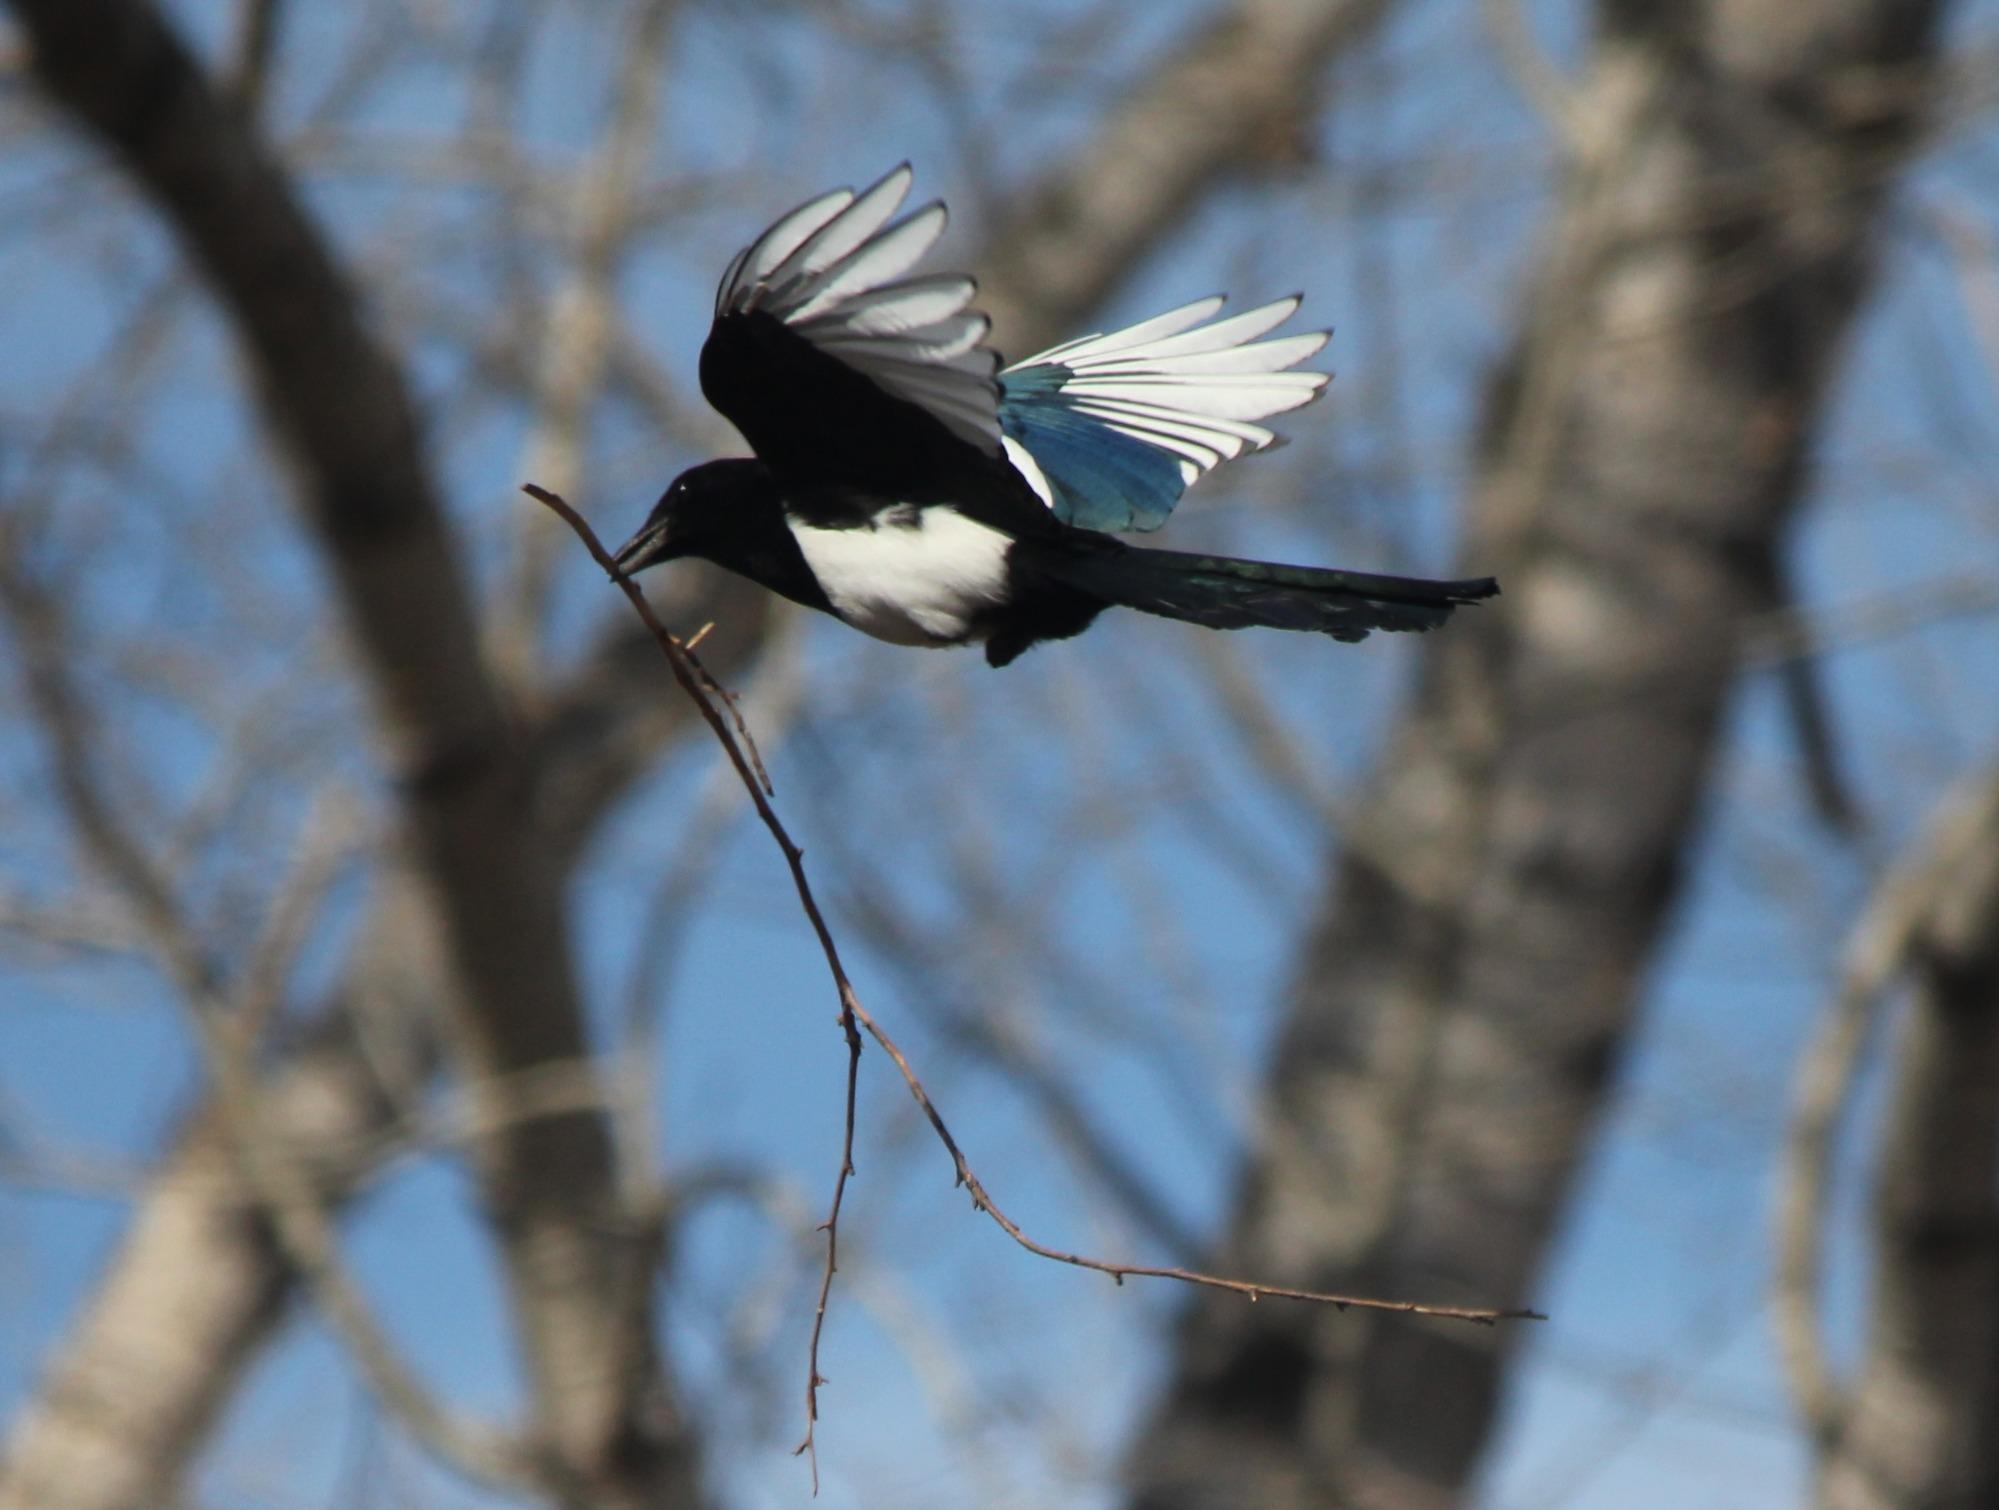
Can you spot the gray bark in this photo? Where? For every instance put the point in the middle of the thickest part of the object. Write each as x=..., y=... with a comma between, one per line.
x=1466, y=989
x=1914, y=1429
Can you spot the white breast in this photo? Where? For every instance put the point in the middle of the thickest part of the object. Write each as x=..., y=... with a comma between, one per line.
x=915, y=577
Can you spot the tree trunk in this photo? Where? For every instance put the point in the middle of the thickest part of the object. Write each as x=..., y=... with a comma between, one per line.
x=1915, y=1429
x=482, y=888
x=1467, y=987
x=198, y=1285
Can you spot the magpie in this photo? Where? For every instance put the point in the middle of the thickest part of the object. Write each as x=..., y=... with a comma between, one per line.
x=907, y=484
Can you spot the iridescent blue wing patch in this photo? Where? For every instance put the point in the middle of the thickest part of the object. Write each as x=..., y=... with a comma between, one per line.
x=1110, y=430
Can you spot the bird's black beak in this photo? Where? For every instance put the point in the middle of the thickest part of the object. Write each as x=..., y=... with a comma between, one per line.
x=648, y=547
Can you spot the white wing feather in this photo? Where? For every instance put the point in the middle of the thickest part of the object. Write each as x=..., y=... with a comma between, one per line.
x=829, y=270
x=1183, y=385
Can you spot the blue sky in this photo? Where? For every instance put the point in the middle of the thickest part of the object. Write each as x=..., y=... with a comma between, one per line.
x=1154, y=880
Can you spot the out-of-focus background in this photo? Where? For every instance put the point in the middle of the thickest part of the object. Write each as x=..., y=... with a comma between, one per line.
x=418, y=1085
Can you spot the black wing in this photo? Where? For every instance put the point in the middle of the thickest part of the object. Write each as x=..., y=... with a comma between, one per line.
x=844, y=375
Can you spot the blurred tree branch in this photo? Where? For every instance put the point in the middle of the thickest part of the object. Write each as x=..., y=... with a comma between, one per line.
x=1459, y=1010
x=230, y=1017
x=342, y=415
x=710, y=700
x=496, y=812
x=1912, y=1426
x=1235, y=100
x=581, y=319
x=1948, y=883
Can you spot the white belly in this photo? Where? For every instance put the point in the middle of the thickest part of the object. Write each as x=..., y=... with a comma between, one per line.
x=919, y=577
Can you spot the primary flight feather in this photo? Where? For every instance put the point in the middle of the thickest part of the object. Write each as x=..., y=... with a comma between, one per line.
x=909, y=485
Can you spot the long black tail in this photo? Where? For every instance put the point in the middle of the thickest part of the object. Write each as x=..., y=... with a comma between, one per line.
x=1225, y=593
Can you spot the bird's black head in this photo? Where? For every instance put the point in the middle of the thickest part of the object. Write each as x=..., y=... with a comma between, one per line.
x=705, y=510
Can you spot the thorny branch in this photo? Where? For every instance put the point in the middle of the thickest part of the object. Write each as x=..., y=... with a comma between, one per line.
x=695, y=682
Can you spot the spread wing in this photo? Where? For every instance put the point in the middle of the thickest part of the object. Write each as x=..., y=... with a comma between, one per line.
x=840, y=370
x=1110, y=430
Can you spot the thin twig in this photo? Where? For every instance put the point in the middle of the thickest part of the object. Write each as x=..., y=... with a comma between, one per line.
x=732, y=703
x=694, y=683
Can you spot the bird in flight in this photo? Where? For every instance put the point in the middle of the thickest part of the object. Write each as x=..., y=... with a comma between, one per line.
x=907, y=484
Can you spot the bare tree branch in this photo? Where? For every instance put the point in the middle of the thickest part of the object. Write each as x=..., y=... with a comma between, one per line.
x=1888, y=939
x=229, y=1018
x=1234, y=99
x=256, y=40
x=342, y=413
x=576, y=357
x=700, y=688
x=1533, y=73
x=590, y=736
x=1459, y=1012
x=1913, y=1426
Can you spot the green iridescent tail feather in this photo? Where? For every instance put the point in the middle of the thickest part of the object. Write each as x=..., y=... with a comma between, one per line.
x=1222, y=592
